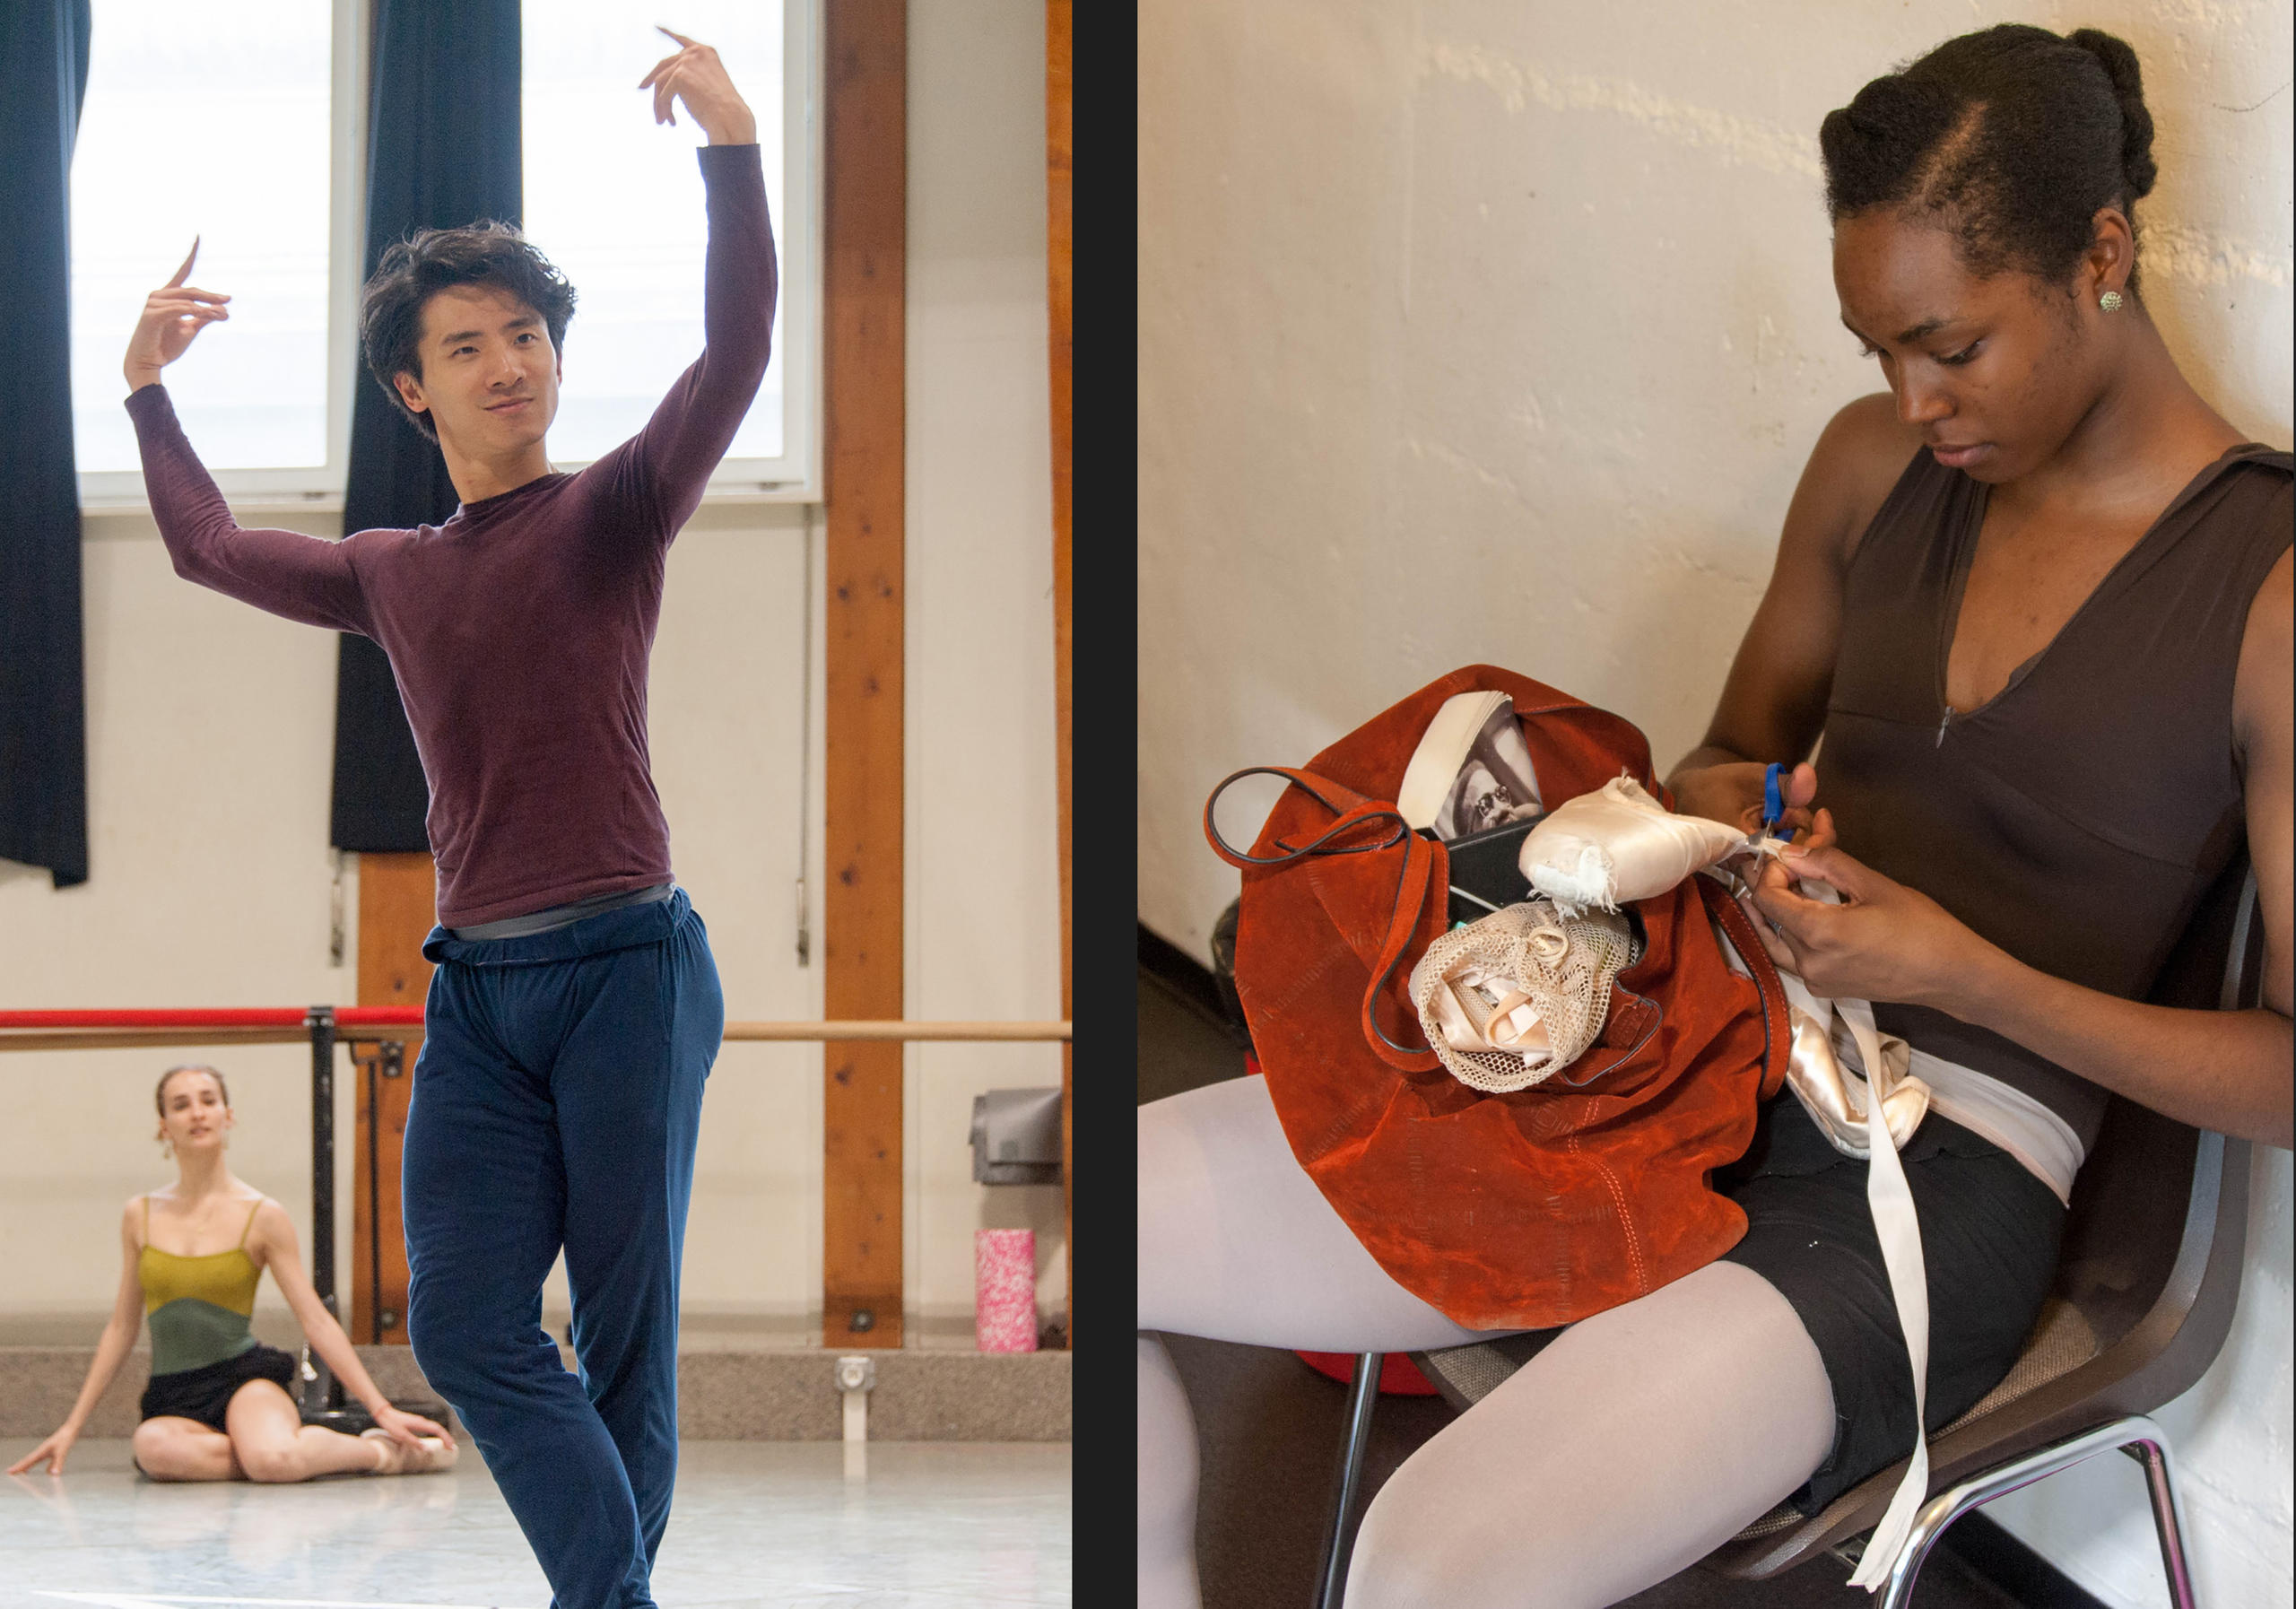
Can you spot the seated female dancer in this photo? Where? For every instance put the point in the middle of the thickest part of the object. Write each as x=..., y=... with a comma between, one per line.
x=2035, y=599
x=217, y=1408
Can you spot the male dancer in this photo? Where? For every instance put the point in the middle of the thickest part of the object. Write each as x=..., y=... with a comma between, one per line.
x=575, y=1011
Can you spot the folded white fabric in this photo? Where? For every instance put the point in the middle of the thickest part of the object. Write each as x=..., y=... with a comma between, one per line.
x=1510, y=1000
x=1616, y=845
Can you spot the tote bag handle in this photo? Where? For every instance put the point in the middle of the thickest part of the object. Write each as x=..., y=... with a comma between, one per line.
x=1421, y=857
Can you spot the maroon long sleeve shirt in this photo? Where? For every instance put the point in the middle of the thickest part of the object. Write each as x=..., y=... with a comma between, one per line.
x=519, y=630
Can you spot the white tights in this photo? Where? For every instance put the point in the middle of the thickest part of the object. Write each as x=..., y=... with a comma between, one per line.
x=1636, y=1442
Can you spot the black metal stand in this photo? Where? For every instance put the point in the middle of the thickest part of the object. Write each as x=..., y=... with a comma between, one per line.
x=377, y=1060
x=322, y=1392
x=322, y=1400
x=1339, y=1544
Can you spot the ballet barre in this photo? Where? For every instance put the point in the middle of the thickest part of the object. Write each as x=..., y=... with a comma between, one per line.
x=323, y=1027
x=290, y=1025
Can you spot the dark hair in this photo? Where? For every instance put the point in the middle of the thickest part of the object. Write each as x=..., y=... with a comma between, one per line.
x=430, y=260
x=2012, y=138
x=160, y=1095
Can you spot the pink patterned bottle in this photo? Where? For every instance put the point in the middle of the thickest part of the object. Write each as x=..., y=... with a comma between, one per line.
x=1005, y=1294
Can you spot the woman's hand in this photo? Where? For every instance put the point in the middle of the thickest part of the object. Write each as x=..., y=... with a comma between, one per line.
x=408, y=1427
x=172, y=315
x=1732, y=793
x=1884, y=941
x=53, y=1451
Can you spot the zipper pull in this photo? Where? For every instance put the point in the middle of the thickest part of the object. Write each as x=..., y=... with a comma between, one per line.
x=1942, y=721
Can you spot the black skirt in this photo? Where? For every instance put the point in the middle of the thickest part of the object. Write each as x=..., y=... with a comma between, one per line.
x=204, y=1392
x=1990, y=1237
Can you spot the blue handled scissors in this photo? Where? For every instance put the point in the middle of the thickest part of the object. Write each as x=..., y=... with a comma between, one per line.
x=1773, y=799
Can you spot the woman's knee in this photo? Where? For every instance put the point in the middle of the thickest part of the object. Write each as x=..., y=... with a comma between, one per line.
x=1408, y=1551
x=268, y=1461
x=164, y=1452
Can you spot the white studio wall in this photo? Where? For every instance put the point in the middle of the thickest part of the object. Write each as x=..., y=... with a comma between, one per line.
x=982, y=850
x=1476, y=331
x=210, y=736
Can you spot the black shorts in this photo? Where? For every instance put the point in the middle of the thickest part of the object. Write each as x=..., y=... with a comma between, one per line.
x=1989, y=1235
x=204, y=1392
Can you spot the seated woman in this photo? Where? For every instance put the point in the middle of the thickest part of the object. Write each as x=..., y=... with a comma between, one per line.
x=2035, y=599
x=217, y=1407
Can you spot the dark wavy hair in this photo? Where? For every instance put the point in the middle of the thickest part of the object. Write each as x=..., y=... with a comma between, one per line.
x=2011, y=139
x=430, y=260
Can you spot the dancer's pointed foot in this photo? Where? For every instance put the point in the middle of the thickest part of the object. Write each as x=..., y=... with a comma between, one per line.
x=395, y=1456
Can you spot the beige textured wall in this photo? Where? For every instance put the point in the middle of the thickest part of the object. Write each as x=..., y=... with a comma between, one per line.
x=1474, y=330
x=210, y=725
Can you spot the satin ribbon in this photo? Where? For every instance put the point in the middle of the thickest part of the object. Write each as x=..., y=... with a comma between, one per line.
x=1889, y=1199
x=1470, y=1023
x=1872, y=1117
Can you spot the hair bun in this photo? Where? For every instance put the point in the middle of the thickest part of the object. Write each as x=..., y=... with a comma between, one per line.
x=2119, y=63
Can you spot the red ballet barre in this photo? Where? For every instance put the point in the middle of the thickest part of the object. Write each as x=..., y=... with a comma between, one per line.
x=282, y=1016
x=325, y=1027
x=98, y=1029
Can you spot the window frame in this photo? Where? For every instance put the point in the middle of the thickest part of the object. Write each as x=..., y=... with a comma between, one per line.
x=793, y=477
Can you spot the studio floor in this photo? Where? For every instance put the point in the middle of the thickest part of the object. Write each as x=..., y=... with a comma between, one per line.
x=928, y=1526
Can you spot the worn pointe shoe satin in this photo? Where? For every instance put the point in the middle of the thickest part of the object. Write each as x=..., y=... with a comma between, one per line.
x=1617, y=845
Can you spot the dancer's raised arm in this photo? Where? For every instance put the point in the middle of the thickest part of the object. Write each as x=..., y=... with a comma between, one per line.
x=668, y=464
x=305, y=578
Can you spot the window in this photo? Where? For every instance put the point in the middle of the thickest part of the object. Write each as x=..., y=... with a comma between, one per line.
x=617, y=203
x=190, y=128
x=261, y=118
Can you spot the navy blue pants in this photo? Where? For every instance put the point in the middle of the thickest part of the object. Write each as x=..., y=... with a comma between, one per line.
x=556, y=1103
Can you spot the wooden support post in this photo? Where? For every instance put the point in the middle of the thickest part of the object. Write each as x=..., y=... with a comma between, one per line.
x=1059, y=34
x=398, y=897
x=864, y=373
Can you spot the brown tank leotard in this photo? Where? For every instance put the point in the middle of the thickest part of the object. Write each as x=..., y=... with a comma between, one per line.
x=2076, y=818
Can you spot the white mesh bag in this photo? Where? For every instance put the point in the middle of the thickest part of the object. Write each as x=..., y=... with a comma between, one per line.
x=1511, y=999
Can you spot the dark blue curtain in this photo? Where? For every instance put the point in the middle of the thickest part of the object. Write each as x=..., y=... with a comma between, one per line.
x=443, y=107
x=43, y=722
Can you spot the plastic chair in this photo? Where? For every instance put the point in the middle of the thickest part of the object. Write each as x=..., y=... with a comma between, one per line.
x=2142, y=1301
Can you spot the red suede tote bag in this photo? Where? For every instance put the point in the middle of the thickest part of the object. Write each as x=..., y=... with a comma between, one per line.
x=1517, y=1210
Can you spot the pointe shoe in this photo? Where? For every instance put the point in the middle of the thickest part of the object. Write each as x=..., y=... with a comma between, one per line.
x=433, y=1453
x=428, y=1454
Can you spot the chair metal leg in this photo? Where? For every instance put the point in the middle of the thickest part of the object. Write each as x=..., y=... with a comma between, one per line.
x=1339, y=1546
x=2137, y=1436
x=2167, y=1523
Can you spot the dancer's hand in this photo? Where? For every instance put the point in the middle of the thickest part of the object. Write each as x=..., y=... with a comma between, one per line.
x=696, y=76
x=1884, y=942
x=52, y=1450
x=1732, y=793
x=172, y=315
x=409, y=1428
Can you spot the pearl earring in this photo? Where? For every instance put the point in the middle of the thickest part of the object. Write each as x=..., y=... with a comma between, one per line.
x=2109, y=301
